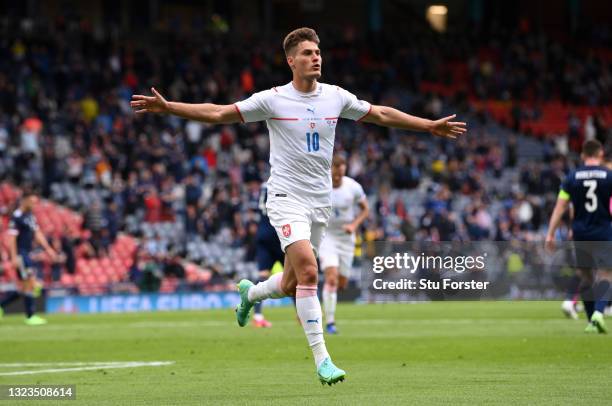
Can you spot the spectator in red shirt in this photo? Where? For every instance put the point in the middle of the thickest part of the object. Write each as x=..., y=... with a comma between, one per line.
x=153, y=206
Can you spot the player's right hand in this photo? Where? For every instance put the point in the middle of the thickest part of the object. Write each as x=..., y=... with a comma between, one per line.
x=149, y=104
x=53, y=256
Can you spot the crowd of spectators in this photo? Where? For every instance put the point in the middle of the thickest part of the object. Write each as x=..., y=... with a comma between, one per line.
x=524, y=64
x=65, y=118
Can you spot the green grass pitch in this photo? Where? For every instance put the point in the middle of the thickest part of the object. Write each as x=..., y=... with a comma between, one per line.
x=428, y=353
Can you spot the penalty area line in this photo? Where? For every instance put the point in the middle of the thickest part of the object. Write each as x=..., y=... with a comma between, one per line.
x=64, y=364
x=92, y=366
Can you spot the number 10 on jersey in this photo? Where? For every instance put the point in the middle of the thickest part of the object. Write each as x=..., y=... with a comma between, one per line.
x=312, y=141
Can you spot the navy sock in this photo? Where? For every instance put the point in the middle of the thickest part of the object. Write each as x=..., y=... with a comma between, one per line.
x=29, y=305
x=9, y=298
x=589, y=308
x=586, y=293
x=258, y=306
x=602, y=292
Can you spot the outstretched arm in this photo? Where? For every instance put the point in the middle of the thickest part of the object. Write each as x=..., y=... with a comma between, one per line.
x=206, y=112
x=390, y=117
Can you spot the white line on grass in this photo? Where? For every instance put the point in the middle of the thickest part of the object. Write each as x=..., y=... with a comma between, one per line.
x=136, y=325
x=65, y=364
x=116, y=365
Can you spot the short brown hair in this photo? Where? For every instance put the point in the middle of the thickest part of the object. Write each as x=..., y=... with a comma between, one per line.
x=339, y=159
x=27, y=191
x=296, y=36
x=591, y=148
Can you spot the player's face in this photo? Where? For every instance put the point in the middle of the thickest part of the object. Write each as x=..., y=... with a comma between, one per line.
x=29, y=203
x=338, y=171
x=306, y=61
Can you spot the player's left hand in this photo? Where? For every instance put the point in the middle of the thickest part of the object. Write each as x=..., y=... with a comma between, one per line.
x=446, y=128
x=349, y=228
x=149, y=104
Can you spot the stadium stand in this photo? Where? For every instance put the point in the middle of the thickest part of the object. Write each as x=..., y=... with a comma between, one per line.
x=134, y=193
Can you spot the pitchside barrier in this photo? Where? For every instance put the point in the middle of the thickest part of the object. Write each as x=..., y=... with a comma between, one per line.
x=149, y=302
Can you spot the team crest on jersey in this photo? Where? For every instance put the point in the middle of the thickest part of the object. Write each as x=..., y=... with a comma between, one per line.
x=312, y=125
x=286, y=230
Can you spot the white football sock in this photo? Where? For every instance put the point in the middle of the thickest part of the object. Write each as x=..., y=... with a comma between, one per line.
x=309, y=312
x=268, y=289
x=330, y=298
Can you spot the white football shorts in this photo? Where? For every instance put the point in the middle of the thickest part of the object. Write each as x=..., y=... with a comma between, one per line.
x=337, y=251
x=294, y=221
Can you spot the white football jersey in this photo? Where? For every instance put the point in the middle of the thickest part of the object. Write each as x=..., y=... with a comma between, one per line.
x=344, y=200
x=302, y=132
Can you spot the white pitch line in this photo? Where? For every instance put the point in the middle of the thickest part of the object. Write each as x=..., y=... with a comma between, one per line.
x=90, y=368
x=65, y=364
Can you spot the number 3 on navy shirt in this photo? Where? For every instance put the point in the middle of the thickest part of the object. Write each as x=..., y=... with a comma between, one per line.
x=312, y=141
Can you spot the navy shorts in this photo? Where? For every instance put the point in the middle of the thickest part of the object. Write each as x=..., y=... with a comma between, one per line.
x=593, y=255
x=26, y=266
x=268, y=248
